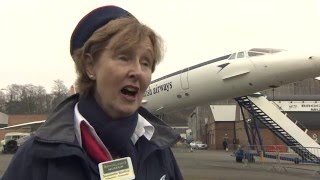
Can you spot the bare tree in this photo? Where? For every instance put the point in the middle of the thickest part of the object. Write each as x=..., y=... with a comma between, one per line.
x=2, y=102
x=30, y=99
x=40, y=99
x=14, y=96
x=59, y=92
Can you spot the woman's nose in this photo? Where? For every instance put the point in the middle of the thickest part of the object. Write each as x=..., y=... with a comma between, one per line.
x=136, y=69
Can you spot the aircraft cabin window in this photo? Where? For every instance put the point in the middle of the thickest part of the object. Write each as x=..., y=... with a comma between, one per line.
x=240, y=55
x=232, y=56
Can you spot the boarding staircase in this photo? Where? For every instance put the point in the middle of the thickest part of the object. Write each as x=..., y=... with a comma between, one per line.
x=269, y=114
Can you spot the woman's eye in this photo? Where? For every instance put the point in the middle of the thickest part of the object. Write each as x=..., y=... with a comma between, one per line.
x=145, y=63
x=123, y=57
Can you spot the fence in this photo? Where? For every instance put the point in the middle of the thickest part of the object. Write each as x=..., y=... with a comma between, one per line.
x=280, y=158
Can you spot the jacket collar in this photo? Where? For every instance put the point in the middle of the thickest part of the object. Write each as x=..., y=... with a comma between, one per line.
x=164, y=135
x=59, y=127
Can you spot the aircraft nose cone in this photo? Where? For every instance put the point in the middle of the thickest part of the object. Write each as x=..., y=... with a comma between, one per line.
x=316, y=62
x=317, y=58
x=314, y=55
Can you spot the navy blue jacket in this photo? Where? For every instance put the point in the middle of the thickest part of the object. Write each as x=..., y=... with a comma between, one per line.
x=53, y=153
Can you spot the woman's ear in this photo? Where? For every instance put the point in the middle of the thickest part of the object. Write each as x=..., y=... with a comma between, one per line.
x=89, y=66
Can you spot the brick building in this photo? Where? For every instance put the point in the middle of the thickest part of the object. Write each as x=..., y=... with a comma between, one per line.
x=216, y=121
x=3, y=120
x=18, y=119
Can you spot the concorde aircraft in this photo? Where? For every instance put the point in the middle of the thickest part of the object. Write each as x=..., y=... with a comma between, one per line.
x=229, y=76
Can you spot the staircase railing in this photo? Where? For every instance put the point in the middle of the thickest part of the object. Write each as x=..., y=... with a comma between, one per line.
x=255, y=111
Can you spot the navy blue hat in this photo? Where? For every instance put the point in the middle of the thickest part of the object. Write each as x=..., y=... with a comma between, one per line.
x=93, y=21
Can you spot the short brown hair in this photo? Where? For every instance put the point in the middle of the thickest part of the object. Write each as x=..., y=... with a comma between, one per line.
x=128, y=32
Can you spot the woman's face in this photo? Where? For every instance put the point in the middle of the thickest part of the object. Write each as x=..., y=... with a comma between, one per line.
x=122, y=78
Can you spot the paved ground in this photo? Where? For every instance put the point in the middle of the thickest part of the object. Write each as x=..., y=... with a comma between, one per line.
x=4, y=161
x=207, y=164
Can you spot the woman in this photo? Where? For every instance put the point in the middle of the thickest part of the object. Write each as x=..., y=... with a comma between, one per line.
x=115, y=56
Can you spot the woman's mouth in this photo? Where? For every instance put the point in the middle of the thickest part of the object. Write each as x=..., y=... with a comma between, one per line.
x=130, y=92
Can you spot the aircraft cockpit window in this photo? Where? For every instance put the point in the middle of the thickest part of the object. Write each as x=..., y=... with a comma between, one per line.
x=276, y=50
x=262, y=51
x=240, y=55
x=251, y=53
x=232, y=56
x=266, y=50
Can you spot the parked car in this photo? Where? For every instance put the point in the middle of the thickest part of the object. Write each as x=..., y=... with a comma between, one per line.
x=198, y=145
x=23, y=139
x=188, y=140
x=10, y=144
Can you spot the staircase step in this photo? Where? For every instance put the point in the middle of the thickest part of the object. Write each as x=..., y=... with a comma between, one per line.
x=274, y=127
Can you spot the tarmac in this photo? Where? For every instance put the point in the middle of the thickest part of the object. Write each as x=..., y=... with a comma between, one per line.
x=212, y=164
x=221, y=165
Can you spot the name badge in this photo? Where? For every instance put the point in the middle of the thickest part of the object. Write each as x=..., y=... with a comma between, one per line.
x=121, y=169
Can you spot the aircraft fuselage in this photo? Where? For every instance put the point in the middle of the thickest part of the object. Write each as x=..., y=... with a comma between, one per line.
x=226, y=77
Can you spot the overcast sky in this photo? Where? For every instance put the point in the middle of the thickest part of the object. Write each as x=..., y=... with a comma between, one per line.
x=35, y=34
